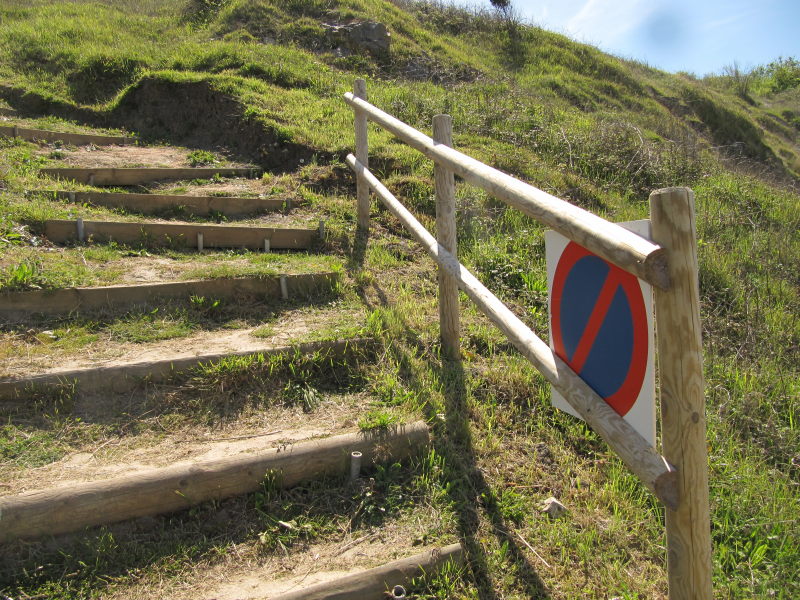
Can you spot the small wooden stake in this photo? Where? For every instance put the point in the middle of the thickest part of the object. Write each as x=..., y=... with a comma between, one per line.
x=266, y=244
x=683, y=423
x=91, y=179
x=81, y=231
x=284, y=288
x=362, y=154
x=199, y=242
x=322, y=230
x=71, y=196
x=446, y=236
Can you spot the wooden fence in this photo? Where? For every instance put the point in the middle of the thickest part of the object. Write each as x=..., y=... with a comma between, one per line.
x=678, y=475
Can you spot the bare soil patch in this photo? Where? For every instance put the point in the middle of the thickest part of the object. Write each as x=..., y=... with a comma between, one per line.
x=129, y=156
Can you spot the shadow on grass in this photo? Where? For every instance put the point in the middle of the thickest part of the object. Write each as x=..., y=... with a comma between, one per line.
x=470, y=493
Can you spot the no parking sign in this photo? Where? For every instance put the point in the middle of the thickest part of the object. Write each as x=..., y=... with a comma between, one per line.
x=601, y=325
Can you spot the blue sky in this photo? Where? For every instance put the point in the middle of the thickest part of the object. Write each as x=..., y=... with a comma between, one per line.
x=699, y=36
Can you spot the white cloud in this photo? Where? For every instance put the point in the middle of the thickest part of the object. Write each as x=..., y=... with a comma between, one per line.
x=729, y=20
x=605, y=21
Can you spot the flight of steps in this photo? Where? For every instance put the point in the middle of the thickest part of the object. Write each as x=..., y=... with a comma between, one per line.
x=255, y=442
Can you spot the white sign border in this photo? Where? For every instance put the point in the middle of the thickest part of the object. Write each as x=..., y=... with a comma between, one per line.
x=642, y=415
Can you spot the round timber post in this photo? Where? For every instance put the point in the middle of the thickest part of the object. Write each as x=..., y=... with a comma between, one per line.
x=446, y=236
x=362, y=154
x=683, y=422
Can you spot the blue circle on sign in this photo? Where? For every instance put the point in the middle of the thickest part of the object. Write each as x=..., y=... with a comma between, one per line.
x=602, y=369
x=599, y=325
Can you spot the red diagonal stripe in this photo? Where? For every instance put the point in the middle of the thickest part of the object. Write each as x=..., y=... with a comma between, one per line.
x=595, y=322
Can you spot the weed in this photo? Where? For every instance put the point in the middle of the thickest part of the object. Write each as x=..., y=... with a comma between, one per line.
x=377, y=419
x=302, y=394
x=21, y=276
x=201, y=158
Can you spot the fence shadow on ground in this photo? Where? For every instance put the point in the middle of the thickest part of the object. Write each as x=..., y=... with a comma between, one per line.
x=471, y=493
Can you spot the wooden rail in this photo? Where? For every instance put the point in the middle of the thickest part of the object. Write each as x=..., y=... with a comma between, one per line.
x=123, y=377
x=137, y=176
x=202, y=206
x=181, y=235
x=374, y=583
x=78, y=139
x=21, y=306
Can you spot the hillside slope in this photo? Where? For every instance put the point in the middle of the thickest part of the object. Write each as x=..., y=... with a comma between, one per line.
x=262, y=81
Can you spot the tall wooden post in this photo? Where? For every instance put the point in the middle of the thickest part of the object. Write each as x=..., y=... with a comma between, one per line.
x=683, y=420
x=362, y=154
x=446, y=236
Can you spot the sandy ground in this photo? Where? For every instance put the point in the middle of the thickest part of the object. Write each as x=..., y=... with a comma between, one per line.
x=128, y=156
x=29, y=357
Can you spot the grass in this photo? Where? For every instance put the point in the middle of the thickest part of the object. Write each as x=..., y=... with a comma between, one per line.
x=23, y=267
x=598, y=131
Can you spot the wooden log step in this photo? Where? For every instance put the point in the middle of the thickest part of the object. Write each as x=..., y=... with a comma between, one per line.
x=23, y=305
x=138, y=176
x=157, y=491
x=181, y=235
x=78, y=139
x=375, y=583
x=198, y=206
x=124, y=377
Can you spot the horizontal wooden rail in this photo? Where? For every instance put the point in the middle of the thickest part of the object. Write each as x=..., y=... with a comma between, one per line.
x=616, y=244
x=182, y=235
x=374, y=583
x=22, y=306
x=78, y=139
x=158, y=491
x=137, y=176
x=201, y=206
x=654, y=471
x=122, y=377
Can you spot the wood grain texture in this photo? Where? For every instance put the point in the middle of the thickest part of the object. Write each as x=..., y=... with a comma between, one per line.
x=444, y=180
x=23, y=305
x=198, y=206
x=124, y=377
x=362, y=152
x=137, y=176
x=158, y=491
x=183, y=235
x=616, y=244
x=372, y=584
x=77, y=139
x=683, y=422
x=654, y=471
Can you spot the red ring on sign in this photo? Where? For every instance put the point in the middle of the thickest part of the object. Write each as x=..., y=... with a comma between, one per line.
x=625, y=397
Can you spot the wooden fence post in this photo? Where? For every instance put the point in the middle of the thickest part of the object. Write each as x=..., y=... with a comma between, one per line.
x=362, y=154
x=446, y=236
x=683, y=424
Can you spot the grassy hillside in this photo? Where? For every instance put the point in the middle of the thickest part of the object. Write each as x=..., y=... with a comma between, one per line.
x=261, y=79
